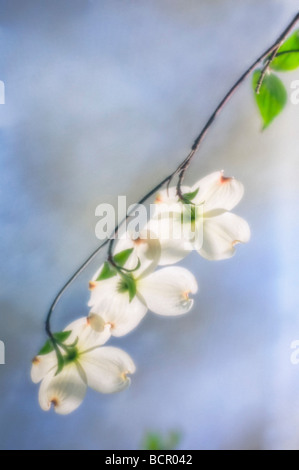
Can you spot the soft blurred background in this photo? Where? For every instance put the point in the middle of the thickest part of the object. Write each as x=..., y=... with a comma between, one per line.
x=104, y=98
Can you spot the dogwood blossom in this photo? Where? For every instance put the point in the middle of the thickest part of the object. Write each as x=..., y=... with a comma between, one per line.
x=86, y=363
x=211, y=228
x=129, y=284
x=122, y=299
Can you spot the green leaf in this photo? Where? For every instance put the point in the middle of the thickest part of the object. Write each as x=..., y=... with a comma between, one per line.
x=287, y=61
x=153, y=441
x=127, y=284
x=46, y=349
x=173, y=440
x=156, y=441
x=134, y=269
x=272, y=97
x=60, y=337
x=188, y=197
x=131, y=287
x=137, y=266
x=107, y=272
x=60, y=362
x=122, y=257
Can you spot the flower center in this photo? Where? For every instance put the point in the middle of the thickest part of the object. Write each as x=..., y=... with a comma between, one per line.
x=190, y=214
x=71, y=355
x=125, y=283
x=123, y=286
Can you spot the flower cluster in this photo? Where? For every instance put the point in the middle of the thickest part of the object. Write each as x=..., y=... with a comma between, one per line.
x=140, y=276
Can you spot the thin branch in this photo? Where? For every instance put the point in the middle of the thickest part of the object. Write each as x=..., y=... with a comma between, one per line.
x=66, y=286
x=274, y=48
x=180, y=171
x=274, y=52
x=91, y=258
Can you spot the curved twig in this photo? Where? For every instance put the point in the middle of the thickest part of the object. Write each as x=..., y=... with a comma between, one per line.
x=272, y=52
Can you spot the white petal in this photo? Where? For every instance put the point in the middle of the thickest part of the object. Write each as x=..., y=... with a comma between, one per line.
x=115, y=307
x=221, y=234
x=173, y=251
x=107, y=369
x=173, y=236
x=167, y=290
x=168, y=196
x=42, y=365
x=218, y=192
x=65, y=391
x=147, y=251
x=87, y=336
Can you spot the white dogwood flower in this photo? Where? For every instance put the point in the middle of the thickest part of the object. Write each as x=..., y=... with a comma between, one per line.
x=122, y=299
x=204, y=224
x=86, y=363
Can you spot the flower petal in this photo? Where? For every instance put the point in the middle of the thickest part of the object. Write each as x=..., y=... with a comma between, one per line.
x=168, y=196
x=218, y=192
x=87, y=336
x=106, y=369
x=42, y=365
x=64, y=391
x=174, y=236
x=147, y=251
x=167, y=290
x=221, y=234
x=173, y=251
x=115, y=307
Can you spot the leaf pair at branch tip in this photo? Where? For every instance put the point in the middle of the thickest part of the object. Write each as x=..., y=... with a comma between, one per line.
x=272, y=97
x=287, y=55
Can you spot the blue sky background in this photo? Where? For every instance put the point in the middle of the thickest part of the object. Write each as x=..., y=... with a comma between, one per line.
x=104, y=98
